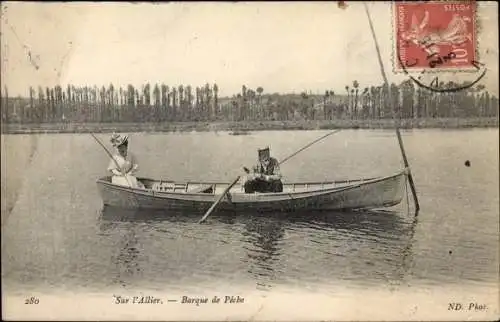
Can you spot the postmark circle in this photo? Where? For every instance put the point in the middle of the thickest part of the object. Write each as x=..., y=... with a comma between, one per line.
x=430, y=80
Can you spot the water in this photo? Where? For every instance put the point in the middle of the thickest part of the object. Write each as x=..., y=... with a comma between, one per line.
x=56, y=236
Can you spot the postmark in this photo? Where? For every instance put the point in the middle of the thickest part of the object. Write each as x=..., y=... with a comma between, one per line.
x=436, y=40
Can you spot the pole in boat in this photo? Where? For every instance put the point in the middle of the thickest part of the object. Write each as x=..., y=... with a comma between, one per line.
x=111, y=156
x=211, y=209
x=400, y=140
x=301, y=149
x=410, y=177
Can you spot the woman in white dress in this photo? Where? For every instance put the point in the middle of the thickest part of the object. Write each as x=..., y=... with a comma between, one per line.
x=124, y=164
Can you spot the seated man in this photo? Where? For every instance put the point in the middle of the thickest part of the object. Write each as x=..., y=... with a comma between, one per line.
x=266, y=175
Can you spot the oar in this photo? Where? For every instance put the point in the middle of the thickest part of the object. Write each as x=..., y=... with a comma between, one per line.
x=209, y=211
x=300, y=150
x=111, y=156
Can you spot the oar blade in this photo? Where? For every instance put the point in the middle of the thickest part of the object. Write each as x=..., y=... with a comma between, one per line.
x=211, y=209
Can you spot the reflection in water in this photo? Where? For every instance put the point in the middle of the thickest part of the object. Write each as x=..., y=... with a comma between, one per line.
x=362, y=246
x=111, y=215
x=263, y=235
x=365, y=246
x=407, y=256
x=126, y=261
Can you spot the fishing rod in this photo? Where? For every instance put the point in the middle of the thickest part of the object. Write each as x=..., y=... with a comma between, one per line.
x=112, y=157
x=307, y=146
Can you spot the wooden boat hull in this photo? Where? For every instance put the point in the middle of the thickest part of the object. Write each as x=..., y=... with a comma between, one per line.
x=336, y=195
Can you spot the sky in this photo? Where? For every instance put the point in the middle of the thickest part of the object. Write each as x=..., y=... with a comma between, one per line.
x=283, y=47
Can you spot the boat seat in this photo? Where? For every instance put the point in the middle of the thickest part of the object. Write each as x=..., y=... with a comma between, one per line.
x=163, y=186
x=176, y=187
x=203, y=189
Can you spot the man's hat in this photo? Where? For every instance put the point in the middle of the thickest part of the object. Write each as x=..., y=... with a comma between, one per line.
x=263, y=152
x=117, y=139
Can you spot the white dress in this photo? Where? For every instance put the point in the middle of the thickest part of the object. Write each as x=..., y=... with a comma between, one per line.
x=128, y=165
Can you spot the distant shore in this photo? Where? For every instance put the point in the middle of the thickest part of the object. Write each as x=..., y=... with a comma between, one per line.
x=247, y=126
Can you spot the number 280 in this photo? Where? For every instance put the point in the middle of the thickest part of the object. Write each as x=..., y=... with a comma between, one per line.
x=32, y=300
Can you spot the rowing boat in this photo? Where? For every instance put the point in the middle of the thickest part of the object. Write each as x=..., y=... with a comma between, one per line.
x=370, y=193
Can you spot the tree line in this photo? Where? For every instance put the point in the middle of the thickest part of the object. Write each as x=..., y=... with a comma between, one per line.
x=413, y=101
x=158, y=103
x=162, y=103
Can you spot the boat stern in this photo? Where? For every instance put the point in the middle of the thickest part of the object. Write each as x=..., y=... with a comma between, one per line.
x=115, y=195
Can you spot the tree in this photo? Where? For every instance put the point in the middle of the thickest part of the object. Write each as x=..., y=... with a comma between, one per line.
x=131, y=94
x=147, y=95
x=174, y=104
x=407, y=92
x=137, y=116
x=58, y=92
x=163, y=99
x=394, y=96
x=111, y=99
x=103, y=116
x=189, y=102
x=52, y=105
x=479, y=101
x=216, y=100
x=244, y=102
x=167, y=102
x=487, y=105
x=234, y=112
x=198, y=106
x=92, y=97
x=372, y=102
x=355, y=84
x=348, y=99
x=182, y=111
x=365, y=97
x=494, y=106
x=95, y=101
x=157, y=102
x=69, y=99
x=32, y=103
x=250, y=102
x=207, y=99
x=353, y=111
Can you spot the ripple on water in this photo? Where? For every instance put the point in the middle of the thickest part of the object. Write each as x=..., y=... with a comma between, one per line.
x=74, y=242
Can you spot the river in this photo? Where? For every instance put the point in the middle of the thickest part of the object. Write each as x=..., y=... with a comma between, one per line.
x=57, y=238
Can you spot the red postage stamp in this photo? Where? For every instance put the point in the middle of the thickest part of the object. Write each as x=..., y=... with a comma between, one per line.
x=435, y=35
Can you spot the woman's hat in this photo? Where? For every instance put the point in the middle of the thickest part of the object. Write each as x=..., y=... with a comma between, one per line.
x=117, y=139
